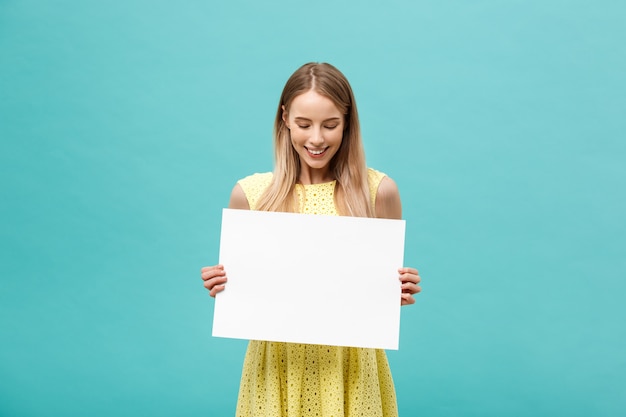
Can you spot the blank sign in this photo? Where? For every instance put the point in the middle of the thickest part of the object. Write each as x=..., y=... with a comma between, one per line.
x=330, y=280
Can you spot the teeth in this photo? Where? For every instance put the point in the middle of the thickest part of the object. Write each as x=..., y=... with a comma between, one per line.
x=316, y=152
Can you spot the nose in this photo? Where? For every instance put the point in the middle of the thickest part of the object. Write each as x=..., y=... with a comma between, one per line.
x=316, y=139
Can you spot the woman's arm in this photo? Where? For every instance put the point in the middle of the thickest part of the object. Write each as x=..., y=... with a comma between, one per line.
x=214, y=277
x=389, y=206
x=238, y=199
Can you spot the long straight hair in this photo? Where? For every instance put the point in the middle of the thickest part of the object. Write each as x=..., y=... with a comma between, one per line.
x=352, y=195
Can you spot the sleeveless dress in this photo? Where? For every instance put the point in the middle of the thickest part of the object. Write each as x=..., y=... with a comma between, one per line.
x=302, y=380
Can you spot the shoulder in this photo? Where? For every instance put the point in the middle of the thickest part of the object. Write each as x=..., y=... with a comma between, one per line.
x=386, y=201
x=248, y=190
x=374, y=177
x=238, y=199
x=256, y=180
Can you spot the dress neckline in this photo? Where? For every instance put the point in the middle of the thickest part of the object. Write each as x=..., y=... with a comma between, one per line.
x=320, y=184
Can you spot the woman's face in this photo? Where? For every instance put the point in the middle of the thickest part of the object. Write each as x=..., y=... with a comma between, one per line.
x=316, y=126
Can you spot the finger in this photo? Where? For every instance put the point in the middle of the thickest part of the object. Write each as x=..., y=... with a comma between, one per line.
x=415, y=279
x=210, y=283
x=216, y=289
x=407, y=270
x=406, y=299
x=212, y=273
x=212, y=267
x=411, y=288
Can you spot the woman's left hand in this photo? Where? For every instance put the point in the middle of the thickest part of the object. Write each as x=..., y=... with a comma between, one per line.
x=410, y=279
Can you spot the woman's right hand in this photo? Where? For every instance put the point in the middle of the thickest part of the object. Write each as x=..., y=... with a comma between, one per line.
x=214, y=278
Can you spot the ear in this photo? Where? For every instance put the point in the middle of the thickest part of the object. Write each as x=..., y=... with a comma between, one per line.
x=285, y=116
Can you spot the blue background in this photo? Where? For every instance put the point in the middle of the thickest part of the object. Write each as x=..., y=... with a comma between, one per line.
x=124, y=125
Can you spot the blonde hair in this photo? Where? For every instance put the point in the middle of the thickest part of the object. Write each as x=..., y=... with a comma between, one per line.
x=352, y=195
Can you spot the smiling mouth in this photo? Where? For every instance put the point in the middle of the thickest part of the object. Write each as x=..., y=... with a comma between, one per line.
x=316, y=153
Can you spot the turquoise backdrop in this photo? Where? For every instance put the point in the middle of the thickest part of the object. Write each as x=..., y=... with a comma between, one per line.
x=125, y=124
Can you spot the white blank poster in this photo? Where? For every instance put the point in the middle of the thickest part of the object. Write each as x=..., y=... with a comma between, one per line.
x=330, y=280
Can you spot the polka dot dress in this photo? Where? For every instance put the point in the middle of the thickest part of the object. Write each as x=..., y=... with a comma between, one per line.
x=300, y=380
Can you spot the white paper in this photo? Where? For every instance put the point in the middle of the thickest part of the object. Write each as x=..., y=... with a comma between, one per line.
x=329, y=280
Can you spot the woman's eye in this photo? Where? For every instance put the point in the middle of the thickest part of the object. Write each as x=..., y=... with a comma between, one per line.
x=303, y=126
x=330, y=127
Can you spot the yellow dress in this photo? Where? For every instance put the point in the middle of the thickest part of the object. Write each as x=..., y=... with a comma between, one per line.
x=302, y=380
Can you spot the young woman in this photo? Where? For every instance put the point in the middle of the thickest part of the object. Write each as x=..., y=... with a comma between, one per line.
x=319, y=169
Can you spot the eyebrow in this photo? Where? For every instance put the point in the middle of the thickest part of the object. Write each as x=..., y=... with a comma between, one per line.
x=332, y=119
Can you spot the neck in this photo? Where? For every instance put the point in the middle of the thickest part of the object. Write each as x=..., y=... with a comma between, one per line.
x=310, y=176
